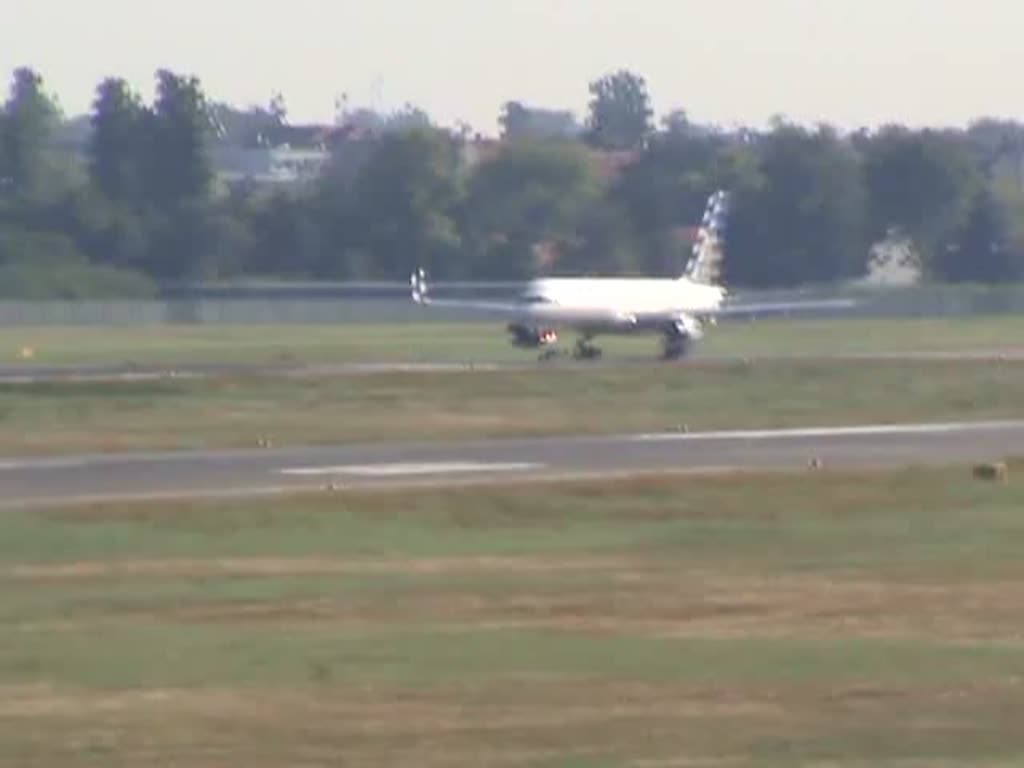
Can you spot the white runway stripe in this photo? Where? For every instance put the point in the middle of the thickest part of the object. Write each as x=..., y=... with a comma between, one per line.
x=869, y=430
x=397, y=470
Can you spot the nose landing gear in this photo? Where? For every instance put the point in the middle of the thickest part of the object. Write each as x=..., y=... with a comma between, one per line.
x=585, y=350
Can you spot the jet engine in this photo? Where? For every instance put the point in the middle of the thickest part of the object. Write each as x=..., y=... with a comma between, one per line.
x=531, y=338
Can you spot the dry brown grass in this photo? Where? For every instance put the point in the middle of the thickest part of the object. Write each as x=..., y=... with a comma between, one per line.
x=437, y=728
x=529, y=723
x=311, y=566
x=629, y=596
x=690, y=607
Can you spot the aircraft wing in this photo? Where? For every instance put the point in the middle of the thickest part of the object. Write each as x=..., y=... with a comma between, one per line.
x=782, y=307
x=420, y=296
x=490, y=307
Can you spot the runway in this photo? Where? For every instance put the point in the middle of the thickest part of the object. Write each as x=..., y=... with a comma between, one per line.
x=84, y=479
x=33, y=373
x=36, y=374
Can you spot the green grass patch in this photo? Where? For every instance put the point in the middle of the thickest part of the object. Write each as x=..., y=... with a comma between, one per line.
x=240, y=411
x=845, y=617
x=161, y=657
x=481, y=342
x=788, y=521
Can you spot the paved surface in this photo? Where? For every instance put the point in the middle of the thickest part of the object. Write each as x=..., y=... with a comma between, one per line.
x=28, y=482
x=32, y=373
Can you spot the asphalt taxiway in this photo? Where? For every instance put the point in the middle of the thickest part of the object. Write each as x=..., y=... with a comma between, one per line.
x=28, y=373
x=36, y=374
x=27, y=482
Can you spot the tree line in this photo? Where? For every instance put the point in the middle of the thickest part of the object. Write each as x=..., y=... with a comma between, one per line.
x=617, y=194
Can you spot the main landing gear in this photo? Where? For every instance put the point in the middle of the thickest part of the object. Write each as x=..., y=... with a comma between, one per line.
x=675, y=346
x=585, y=350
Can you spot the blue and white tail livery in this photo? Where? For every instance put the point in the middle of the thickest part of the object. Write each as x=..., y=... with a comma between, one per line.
x=418, y=281
x=705, y=261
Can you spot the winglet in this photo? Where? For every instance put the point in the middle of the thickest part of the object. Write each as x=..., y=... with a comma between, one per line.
x=418, y=281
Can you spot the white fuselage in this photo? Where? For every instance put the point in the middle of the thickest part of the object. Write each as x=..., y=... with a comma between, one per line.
x=610, y=304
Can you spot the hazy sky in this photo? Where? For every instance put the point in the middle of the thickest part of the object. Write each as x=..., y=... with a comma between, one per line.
x=849, y=62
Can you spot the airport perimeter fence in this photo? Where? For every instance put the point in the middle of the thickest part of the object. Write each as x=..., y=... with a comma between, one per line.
x=369, y=303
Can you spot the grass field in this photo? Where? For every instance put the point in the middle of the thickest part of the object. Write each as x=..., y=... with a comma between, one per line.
x=240, y=410
x=838, y=619
x=436, y=342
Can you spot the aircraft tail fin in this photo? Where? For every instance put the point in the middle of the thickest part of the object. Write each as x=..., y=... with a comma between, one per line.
x=705, y=260
x=418, y=282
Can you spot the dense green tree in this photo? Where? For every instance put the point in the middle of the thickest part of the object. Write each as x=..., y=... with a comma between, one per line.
x=180, y=130
x=285, y=235
x=342, y=250
x=399, y=193
x=30, y=117
x=531, y=194
x=117, y=145
x=664, y=191
x=520, y=122
x=666, y=186
x=803, y=221
x=920, y=184
x=606, y=243
x=987, y=249
x=620, y=111
x=117, y=221
x=405, y=197
x=514, y=120
x=998, y=146
x=677, y=123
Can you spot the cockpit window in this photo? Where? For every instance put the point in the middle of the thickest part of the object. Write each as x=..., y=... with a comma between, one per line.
x=535, y=299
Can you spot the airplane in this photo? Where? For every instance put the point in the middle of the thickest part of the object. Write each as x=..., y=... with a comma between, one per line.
x=677, y=309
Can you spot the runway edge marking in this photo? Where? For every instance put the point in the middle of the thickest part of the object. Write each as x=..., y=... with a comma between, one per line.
x=868, y=430
x=405, y=469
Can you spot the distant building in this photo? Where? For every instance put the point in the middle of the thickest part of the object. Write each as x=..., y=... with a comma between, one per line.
x=280, y=154
x=268, y=165
x=892, y=262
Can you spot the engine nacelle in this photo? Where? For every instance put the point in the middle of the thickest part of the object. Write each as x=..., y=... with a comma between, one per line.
x=532, y=338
